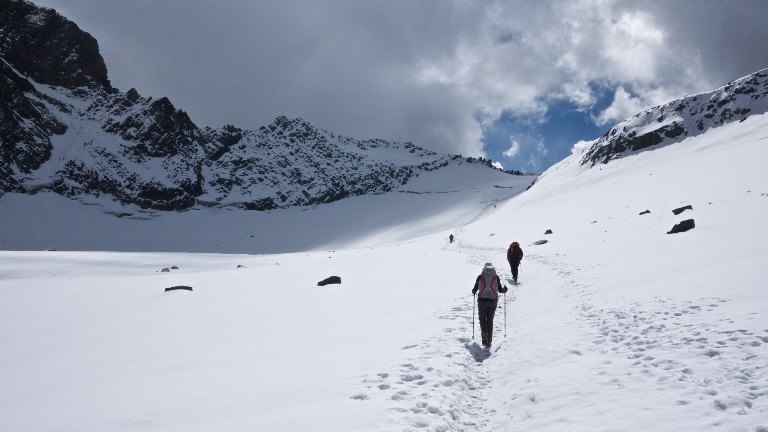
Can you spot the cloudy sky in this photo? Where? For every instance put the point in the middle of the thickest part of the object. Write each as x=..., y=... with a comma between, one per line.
x=517, y=81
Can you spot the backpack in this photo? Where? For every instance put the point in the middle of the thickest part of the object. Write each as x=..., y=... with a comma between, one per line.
x=488, y=284
x=514, y=252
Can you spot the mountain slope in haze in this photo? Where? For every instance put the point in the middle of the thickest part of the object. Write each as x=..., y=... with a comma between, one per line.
x=64, y=128
x=682, y=118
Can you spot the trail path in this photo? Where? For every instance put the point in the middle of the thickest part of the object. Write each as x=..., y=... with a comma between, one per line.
x=570, y=362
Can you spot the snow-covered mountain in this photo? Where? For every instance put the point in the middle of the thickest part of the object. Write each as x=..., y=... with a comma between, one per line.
x=64, y=128
x=683, y=118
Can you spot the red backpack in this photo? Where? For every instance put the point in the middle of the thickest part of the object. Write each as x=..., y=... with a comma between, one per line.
x=514, y=251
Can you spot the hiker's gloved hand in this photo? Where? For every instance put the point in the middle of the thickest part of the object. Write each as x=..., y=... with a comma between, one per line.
x=474, y=290
x=504, y=289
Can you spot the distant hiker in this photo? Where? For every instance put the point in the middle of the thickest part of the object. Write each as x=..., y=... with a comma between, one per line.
x=487, y=287
x=514, y=256
x=450, y=238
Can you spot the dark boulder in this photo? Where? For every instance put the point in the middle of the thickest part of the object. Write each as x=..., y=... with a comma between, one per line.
x=549, y=231
x=179, y=287
x=329, y=280
x=645, y=212
x=677, y=211
x=540, y=242
x=683, y=226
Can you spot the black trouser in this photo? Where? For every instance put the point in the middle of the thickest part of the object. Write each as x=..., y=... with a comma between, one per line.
x=514, y=264
x=486, y=309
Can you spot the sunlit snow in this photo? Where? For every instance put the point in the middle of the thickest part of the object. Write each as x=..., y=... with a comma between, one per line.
x=616, y=325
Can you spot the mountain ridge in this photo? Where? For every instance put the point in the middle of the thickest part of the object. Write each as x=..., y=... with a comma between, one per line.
x=73, y=133
x=681, y=118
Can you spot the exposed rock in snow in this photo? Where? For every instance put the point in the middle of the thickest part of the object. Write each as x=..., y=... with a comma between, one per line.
x=683, y=226
x=179, y=287
x=329, y=280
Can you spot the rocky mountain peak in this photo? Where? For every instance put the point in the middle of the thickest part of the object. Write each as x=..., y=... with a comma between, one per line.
x=48, y=48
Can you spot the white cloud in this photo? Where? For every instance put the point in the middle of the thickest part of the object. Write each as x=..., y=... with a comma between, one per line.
x=623, y=106
x=633, y=47
x=581, y=145
x=541, y=148
x=513, y=150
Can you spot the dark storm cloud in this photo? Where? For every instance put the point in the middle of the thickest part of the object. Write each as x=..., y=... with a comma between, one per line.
x=731, y=38
x=436, y=72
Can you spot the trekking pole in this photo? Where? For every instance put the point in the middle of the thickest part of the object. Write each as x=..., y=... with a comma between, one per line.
x=505, y=315
x=473, y=316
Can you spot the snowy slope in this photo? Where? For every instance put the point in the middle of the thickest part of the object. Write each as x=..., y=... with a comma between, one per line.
x=617, y=326
x=623, y=326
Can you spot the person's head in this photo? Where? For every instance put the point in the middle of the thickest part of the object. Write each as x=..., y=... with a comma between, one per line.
x=515, y=244
x=489, y=268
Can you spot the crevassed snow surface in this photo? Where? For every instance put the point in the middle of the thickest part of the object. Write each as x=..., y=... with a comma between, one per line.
x=616, y=326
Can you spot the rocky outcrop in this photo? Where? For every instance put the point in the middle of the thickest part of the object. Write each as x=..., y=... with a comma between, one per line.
x=679, y=210
x=26, y=125
x=683, y=226
x=679, y=119
x=49, y=48
x=329, y=280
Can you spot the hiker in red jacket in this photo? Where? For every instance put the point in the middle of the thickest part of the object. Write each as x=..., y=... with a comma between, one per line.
x=489, y=286
x=514, y=256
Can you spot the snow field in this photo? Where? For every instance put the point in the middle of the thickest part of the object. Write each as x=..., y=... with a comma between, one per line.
x=617, y=326
x=93, y=341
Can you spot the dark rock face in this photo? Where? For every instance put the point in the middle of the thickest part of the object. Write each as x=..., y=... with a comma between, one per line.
x=683, y=226
x=645, y=212
x=549, y=231
x=677, y=211
x=682, y=118
x=49, y=48
x=25, y=127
